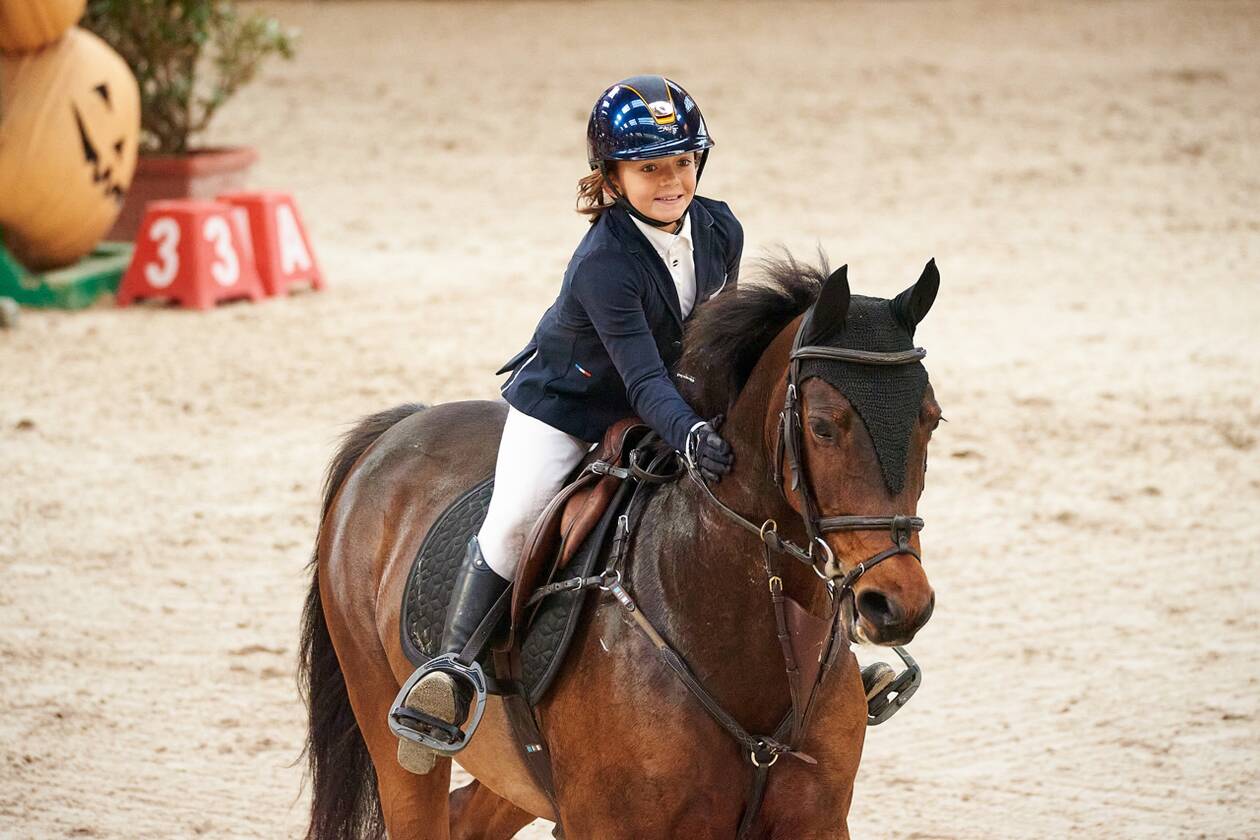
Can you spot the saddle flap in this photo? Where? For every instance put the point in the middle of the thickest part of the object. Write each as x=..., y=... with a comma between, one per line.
x=580, y=515
x=569, y=517
x=542, y=543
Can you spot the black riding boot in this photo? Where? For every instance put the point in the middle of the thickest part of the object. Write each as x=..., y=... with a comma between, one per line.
x=439, y=694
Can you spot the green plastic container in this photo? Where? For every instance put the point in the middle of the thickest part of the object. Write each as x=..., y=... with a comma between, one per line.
x=74, y=287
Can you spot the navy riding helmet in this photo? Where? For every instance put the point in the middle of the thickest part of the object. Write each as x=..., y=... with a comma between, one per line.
x=645, y=117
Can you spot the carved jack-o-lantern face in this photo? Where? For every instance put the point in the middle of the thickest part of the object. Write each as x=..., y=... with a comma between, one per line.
x=103, y=156
x=68, y=143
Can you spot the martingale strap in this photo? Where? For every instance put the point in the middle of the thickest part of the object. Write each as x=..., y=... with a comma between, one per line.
x=788, y=449
x=763, y=751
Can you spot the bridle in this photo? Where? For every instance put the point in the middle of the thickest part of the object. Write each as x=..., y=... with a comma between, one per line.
x=788, y=447
x=764, y=750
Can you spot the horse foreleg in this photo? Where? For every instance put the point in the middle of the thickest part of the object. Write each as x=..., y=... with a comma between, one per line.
x=478, y=812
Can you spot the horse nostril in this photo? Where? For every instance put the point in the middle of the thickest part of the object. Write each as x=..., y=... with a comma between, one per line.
x=877, y=609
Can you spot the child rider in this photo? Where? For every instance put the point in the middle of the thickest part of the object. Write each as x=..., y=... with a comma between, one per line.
x=654, y=252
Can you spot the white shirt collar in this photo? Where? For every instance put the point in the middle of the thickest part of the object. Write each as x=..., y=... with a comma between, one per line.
x=662, y=240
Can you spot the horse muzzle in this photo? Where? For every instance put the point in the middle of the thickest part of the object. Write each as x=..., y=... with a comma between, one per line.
x=883, y=619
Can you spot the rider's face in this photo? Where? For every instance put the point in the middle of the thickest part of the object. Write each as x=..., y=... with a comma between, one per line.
x=660, y=188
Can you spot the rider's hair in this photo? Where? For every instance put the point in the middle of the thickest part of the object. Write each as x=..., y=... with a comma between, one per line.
x=592, y=195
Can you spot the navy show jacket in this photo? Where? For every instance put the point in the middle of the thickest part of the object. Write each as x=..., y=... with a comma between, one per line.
x=602, y=350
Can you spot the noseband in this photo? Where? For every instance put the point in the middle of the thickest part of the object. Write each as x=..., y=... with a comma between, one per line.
x=788, y=447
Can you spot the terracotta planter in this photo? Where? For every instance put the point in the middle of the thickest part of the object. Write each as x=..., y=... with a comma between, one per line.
x=203, y=173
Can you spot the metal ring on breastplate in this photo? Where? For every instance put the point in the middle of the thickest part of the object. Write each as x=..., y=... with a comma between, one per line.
x=769, y=526
x=830, y=568
x=752, y=755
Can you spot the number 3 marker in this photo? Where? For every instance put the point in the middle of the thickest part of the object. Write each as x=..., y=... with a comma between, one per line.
x=165, y=232
x=226, y=269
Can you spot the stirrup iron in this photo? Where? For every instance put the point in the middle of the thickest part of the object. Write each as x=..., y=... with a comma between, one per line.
x=438, y=735
x=889, y=701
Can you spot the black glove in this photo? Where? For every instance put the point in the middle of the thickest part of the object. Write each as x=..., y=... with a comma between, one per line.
x=708, y=453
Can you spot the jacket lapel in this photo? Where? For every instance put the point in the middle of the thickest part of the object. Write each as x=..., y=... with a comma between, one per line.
x=708, y=276
x=636, y=243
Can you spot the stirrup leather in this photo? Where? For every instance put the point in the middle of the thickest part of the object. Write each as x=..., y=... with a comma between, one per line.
x=889, y=701
x=432, y=733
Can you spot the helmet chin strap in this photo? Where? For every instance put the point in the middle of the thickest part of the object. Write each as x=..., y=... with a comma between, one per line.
x=624, y=203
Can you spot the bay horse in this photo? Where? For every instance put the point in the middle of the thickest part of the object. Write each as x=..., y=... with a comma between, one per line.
x=633, y=754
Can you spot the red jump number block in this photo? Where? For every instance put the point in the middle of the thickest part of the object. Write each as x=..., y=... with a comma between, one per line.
x=192, y=252
x=282, y=249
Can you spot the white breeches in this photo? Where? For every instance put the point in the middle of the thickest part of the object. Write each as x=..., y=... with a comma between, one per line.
x=534, y=459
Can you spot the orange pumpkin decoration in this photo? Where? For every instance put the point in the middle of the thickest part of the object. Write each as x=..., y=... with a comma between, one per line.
x=29, y=25
x=68, y=141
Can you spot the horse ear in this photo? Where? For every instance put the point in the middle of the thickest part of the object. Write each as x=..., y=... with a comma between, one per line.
x=911, y=305
x=831, y=308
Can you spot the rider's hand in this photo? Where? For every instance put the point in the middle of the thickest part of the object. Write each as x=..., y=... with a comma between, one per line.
x=708, y=453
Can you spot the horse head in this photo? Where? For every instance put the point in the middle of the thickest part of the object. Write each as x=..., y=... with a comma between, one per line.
x=825, y=396
x=866, y=418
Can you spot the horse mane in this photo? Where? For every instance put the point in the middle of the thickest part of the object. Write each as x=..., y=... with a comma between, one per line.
x=730, y=332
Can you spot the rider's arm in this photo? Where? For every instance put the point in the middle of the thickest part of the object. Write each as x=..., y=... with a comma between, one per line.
x=604, y=283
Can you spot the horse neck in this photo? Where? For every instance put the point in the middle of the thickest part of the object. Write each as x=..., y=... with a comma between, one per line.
x=750, y=489
x=702, y=576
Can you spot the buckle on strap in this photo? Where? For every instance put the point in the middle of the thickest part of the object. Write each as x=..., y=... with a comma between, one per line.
x=901, y=528
x=605, y=468
x=439, y=736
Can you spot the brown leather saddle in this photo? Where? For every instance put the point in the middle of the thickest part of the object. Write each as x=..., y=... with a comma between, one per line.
x=554, y=541
x=569, y=518
x=563, y=545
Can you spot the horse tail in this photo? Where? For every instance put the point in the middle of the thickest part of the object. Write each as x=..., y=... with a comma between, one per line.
x=345, y=804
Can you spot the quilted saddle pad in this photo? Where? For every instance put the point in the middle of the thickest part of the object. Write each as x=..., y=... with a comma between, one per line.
x=432, y=577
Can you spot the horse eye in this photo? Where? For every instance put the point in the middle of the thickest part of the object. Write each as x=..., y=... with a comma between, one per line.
x=822, y=429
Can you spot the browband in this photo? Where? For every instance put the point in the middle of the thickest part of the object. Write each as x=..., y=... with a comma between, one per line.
x=863, y=357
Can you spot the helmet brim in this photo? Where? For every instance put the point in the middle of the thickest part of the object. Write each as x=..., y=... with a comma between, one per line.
x=659, y=150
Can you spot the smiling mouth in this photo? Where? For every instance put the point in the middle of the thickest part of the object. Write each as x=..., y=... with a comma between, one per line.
x=670, y=199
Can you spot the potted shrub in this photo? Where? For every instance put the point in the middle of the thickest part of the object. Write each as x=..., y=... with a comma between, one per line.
x=189, y=58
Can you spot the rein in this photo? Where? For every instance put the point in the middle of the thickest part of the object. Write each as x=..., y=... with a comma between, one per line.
x=839, y=583
x=763, y=751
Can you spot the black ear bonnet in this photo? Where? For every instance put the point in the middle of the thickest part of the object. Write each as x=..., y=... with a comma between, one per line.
x=886, y=397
